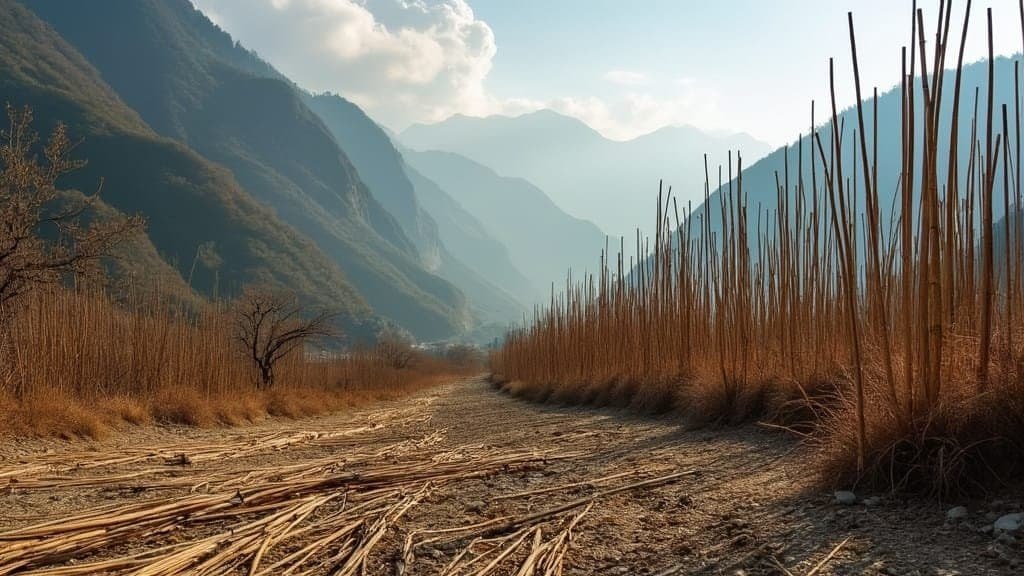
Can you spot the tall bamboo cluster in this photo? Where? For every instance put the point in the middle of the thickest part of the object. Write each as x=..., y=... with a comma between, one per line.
x=903, y=308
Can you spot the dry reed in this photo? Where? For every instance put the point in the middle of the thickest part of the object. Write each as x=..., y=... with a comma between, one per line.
x=76, y=365
x=893, y=348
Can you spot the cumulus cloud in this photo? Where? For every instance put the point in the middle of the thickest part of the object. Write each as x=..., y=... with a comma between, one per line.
x=407, y=61
x=402, y=60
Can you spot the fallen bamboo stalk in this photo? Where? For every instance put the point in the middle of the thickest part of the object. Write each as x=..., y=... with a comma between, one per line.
x=826, y=559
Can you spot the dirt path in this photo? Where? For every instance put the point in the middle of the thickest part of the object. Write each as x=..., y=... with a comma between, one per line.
x=462, y=479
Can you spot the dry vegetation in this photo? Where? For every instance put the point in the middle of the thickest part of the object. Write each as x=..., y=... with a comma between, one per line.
x=75, y=363
x=894, y=349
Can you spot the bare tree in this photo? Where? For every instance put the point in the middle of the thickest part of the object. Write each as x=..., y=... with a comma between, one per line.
x=41, y=237
x=395, y=349
x=270, y=324
x=464, y=356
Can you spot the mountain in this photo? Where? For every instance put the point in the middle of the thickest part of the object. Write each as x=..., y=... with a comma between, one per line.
x=190, y=82
x=613, y=184
x=470, y=241
x=542, y=240
x=760, y=178
x=383, y=169
x=380, y=167
x=189, y=202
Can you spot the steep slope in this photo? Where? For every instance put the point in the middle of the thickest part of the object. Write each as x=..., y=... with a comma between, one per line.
x=188, y=80
x=614, y=184
x=759, y=178
x=470, y=241
x=382, y=167
x=188, y=202
x=542, y=240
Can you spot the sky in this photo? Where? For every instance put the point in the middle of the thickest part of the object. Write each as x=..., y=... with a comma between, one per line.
x=626, y=68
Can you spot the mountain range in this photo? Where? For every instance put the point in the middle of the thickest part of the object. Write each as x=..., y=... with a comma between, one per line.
x=543, y=241
x=245, y=177
x=611, y=183
x=191, y=83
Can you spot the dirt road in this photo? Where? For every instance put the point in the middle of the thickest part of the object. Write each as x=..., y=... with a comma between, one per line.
x=462, y=479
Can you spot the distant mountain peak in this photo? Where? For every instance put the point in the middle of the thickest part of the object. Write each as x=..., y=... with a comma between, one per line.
x=609, y=182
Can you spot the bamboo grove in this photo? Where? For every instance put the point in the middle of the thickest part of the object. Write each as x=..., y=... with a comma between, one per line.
x=890, y=333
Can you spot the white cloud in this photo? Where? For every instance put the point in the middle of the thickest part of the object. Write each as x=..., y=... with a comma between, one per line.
x=638, y=113
x=407, y=61
x=403, y=60
x=626, y=77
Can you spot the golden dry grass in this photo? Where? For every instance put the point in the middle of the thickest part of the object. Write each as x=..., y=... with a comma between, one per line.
x=78, y=366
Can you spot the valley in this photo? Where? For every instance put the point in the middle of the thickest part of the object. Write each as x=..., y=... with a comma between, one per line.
x=303, y=287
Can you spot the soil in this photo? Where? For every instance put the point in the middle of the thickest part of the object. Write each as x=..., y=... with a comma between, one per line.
x=716, y=500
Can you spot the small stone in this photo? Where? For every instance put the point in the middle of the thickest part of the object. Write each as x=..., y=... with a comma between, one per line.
x=1009, y=522
x=956, y=513
x=475, y=506
x=845, y=497
x=873, y=501
x=986, y=529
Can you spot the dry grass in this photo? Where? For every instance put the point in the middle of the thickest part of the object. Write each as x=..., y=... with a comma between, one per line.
x=79, y=366
x=893, y=349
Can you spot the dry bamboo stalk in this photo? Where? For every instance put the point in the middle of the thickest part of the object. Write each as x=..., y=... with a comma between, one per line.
x=817, y=568
x=987, y=272
x=508, y=551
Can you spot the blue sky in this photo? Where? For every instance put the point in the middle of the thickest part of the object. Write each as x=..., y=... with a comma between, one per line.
x=625, y=68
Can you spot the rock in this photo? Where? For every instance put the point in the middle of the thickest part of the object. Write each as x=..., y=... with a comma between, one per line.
x=956, y=513
x=873, y=501
x=475, y=505
x=986, y=529
x=1009, y=522
x=845, y=497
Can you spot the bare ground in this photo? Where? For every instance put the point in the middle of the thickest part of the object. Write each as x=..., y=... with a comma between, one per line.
x=462, y=479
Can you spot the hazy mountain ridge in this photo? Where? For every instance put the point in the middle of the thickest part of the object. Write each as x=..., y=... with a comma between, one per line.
x=470, y=240
x=543, y=241
x=612, y=183
x=384, y=170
